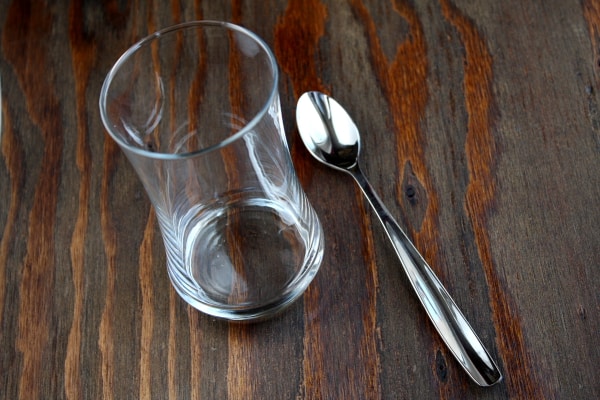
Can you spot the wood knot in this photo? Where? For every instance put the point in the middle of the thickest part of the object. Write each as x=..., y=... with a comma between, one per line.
x=581, y=312
x=441, y=368
x=149, y=144
x=414, y=197
x=410, y=192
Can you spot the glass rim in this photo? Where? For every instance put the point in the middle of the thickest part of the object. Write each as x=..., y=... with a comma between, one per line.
x=157, y=35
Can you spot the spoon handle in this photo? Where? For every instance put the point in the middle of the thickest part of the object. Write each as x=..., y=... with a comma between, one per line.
x=447, y=318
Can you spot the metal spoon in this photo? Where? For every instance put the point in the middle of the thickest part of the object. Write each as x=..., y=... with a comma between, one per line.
x=332, y=138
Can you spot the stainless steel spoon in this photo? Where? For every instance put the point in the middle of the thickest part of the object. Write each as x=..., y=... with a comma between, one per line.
x=332, y=138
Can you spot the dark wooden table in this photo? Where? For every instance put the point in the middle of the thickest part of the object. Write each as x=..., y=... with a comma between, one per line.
x=481, y=132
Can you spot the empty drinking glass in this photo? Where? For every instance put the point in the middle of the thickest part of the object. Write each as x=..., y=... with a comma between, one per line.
x=195, y=108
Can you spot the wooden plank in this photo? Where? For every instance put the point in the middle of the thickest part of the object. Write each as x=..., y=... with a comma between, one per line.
x=480, y=129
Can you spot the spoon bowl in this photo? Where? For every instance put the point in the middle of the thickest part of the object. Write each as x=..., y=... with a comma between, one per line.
x=331, y=137
x=339, y=150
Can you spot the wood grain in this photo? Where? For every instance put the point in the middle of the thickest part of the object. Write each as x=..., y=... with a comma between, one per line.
x=109, y=237
x=13, y=155
x=85, y=53
x=38, y=268
x=482, y=152
x=296, y=25
x=405, y=89
x=481, y=131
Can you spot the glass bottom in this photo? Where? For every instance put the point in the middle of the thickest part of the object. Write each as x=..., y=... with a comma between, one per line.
x=243, y=259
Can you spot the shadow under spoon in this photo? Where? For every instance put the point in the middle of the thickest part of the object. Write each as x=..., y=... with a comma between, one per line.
x=331, y=137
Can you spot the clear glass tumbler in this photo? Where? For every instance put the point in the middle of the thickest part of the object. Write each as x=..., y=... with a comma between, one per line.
x=196, y=110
